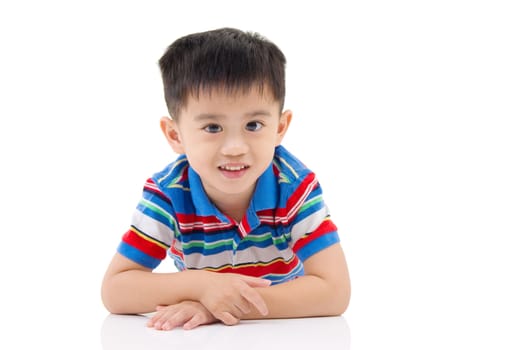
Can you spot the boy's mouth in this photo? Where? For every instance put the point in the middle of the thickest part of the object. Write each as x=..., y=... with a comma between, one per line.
x=233, y=167
x=233, y=171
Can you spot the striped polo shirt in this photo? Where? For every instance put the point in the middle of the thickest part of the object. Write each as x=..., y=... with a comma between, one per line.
x=287, y=222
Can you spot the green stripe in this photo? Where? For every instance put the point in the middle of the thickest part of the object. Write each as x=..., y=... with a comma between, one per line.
x=205, y=245
x=227, y=243
x=158, y=210
x=259, y=238
x=282, y=239
x=311, y=203
x=266, y=236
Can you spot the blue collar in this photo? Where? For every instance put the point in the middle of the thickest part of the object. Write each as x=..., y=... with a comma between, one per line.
x=266, y=196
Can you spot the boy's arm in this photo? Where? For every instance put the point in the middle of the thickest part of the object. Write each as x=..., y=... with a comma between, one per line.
x=324, y=290
x=130, y=288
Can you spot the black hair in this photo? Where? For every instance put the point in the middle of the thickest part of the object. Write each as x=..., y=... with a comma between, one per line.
x=225, y=58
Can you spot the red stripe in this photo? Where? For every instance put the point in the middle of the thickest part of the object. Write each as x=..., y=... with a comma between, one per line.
x=279, y=267
x=188, y=219
x=287, y=214
x=245, y=226
x=176, y=252
x=276, y=170
x=192, y=222
x=300, y=191
x=266, y=212
x=185, y=174
x=151, y=186
x=325, y=227
x=149, y=248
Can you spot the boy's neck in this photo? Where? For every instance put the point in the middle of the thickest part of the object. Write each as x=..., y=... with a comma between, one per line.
x=233, y=207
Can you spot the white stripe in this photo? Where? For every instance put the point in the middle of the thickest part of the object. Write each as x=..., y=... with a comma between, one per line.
x=251, y=255
x=295, y=208
x=152, y=227
x=207, y=245
x=152, y=186
x=201, y=224
x=308, y=224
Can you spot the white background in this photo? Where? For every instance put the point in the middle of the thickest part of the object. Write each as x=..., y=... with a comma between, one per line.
x=412, y=113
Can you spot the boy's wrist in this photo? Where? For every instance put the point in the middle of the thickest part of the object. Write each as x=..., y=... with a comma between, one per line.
x=197, y=282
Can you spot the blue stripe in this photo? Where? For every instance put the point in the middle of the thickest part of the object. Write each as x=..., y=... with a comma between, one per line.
x=209, y=237
x=228, y=246
x=205, y=252
x=263, y=244
x=278, y=279
x=155, y=215
x=137, y=256
x=317, y=245
x=309, y=211
x=158, y=200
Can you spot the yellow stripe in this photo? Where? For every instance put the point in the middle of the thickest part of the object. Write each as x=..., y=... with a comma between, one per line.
x=147, y=238
x=172, y=169
x=289, y=166
x=248, y=265
x=179, y=186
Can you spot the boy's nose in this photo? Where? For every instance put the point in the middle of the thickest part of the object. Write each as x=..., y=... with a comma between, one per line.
x=234, y=145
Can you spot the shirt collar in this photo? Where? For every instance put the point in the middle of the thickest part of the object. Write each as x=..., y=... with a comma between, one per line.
x=264, y=197
x=202, y=204
x=266, y=191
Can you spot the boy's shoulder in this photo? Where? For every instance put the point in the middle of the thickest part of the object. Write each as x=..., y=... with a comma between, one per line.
x=174, y=175
x=288, y=167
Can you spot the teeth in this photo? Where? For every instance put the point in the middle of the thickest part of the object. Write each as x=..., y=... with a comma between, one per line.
x=233, y=167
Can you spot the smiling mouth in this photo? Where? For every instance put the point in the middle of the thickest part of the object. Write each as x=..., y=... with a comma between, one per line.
x=233, y=167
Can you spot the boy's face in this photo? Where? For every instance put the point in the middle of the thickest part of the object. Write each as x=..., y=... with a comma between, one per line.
x=229, y=139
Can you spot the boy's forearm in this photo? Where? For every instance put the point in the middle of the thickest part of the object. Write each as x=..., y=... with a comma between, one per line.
x=135, y=291
x=305, y=296
x=323, y=291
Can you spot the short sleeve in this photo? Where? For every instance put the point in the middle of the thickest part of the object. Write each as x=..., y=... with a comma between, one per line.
x=152, y=229
x=312, y=229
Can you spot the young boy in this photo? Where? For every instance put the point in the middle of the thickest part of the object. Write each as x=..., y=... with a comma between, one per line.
x=243, y=219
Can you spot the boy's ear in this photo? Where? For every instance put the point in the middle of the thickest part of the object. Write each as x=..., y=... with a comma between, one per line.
x=172, y=134
x=284, y=123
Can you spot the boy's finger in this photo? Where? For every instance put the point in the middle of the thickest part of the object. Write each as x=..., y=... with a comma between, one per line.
x=256, y=300
x=243, y=305
x=227, y=318
x=194, y=322
x=152, y=321
x=256, y=282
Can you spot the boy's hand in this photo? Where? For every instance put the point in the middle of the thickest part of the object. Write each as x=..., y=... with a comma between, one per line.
x=229, y=296
x=187, y=314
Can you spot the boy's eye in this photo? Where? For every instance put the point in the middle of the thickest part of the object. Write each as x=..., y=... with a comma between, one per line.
x=253, y=126
x=212, y=128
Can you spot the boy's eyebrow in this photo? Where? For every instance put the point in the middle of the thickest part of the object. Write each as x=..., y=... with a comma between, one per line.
x=211, y=116
x=206, y=116
x=262, y=112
